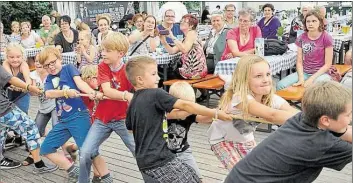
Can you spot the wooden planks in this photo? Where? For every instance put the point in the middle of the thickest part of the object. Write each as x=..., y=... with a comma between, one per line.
x=123, y=166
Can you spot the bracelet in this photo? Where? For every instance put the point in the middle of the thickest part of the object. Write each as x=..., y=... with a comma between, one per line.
x=216, y=115
x=27, y=87
x=124, y=93
x=65, y=93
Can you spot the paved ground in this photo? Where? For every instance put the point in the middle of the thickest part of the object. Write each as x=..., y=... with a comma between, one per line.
x=123, y=165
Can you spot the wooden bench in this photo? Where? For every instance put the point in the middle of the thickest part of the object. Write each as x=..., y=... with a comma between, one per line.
x=190, y=81
x=212, y=86
x=294, y=94
x=343, y=69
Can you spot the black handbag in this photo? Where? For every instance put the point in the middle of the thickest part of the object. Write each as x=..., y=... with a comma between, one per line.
x=275, y=47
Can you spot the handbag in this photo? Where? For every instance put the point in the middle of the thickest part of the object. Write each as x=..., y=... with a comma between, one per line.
x=275, y=47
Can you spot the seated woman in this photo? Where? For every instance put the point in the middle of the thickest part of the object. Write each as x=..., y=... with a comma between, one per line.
x=29, y=40
x=241, y=39
x=146, y=41
x=216, y=41
x=103, y=22
x=193, y=60
x=16, y=34
x=314, y=56
x=269, y=24
x=67, y=38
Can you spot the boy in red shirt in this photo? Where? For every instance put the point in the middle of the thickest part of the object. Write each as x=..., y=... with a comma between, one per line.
x=110, y=114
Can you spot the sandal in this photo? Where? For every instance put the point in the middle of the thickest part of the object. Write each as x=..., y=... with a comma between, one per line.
x=28, y=161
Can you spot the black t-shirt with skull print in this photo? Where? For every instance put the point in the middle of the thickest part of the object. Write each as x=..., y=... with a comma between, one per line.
x=178, y=133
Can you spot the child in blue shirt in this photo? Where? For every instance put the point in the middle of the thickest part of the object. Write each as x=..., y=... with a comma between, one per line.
x=63, y=84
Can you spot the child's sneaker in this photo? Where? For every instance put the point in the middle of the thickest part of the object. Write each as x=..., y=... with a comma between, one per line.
x=45, y=169
x=96, y=179
x=73, y=173
x=8, y=164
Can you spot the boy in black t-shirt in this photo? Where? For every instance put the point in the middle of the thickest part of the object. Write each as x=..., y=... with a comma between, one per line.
x=146, y=117
x=318, y=137
x=179, y=123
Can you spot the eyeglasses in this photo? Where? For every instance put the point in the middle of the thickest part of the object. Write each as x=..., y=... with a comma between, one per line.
x=52, y=63
x=244, y=21
x=230, y=10
x=169, y=16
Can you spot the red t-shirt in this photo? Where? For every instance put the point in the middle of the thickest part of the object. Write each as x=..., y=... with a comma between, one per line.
x=234, y=34
x=89, y=104
x=108, y=110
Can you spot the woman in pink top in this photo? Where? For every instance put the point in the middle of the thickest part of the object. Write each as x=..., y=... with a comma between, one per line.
x=241, y=39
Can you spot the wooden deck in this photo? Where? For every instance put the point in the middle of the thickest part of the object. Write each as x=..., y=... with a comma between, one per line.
x=123, y=166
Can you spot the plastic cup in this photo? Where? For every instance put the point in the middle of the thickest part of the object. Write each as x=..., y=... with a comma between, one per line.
x=345, y=29
x=38, y=45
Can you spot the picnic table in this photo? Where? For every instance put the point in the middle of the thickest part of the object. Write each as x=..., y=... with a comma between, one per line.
x=340, y=40
x=30, y=52
x=277, y=63
x=162, y=59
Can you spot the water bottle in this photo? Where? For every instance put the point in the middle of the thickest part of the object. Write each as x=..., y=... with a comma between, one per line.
x=330, y=27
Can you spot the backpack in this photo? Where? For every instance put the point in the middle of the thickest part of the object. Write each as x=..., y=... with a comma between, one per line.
x=275, y=47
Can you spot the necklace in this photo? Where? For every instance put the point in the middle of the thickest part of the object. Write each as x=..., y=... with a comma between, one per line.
x=68, y=36
x=244, y=38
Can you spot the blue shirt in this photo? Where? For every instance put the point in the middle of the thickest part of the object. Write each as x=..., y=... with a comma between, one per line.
x=176, y=32
x=65, y=107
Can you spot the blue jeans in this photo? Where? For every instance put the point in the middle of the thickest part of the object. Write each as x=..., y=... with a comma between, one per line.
x=98, y=133
x=43, y=119
x=75, y=126
x=293, y=78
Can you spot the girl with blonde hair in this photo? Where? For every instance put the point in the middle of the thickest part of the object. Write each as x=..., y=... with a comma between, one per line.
x=86, y=52
x=15, y=64
x=251, y=94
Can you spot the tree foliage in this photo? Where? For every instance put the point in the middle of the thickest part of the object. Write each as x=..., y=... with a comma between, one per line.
x=23, y=11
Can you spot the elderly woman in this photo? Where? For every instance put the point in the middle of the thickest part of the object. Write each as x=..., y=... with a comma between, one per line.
x=216, y=42
x=269, y=24
x=48, y=31
x=29, y=40
x=241, y=39
x=230, y=20
x=297, y=23
x=67, y=38
x=146, y=41
x=193, y=59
